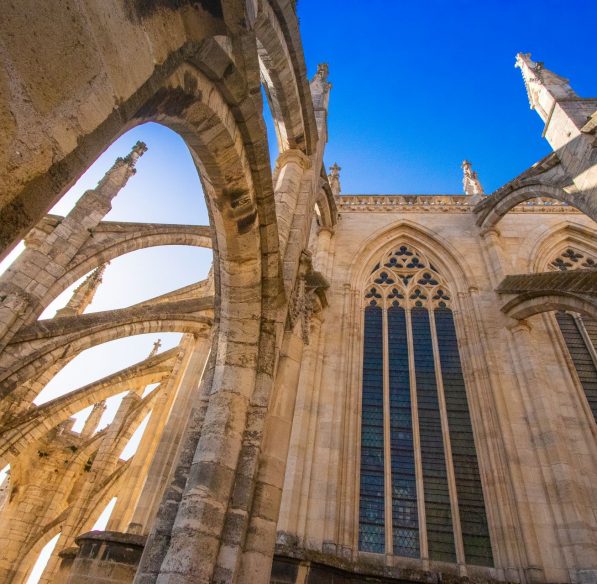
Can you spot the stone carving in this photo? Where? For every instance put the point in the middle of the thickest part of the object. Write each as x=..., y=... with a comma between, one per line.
x=308, y=296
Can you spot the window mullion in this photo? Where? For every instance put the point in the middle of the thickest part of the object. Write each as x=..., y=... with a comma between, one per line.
x=424, y=550
x=580, y=325
x=448, y=449
x=386, y=438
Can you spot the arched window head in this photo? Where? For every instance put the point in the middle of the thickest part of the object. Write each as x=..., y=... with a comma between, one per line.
x=405, y=277
x=420, y=485
x=579, y=333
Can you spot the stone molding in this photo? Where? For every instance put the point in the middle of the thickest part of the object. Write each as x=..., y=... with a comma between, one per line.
x=436, y=204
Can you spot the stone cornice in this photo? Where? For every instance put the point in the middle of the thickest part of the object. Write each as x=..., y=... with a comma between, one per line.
x=436, y=204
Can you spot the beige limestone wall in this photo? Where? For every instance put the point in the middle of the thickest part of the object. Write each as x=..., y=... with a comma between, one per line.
x=536, y=440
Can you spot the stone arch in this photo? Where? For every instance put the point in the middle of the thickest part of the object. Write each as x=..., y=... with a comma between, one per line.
x=283, y=73
x=227, y=145
x=529, y=304
x=491, y=210
x=449, y=261
x=36, y=422
x=66, y=114
x=160, y=318
x=99, y=499
x=160, y=236
x=223, y=127
x=325, y=203
x=31, y=550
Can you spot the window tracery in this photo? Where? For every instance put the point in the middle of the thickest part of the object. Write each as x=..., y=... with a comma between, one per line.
x=407, y=279
x=572, y=259
x=416, y=431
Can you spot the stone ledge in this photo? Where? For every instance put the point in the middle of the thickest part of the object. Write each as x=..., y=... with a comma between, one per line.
x=324, y=567
x=114, y=537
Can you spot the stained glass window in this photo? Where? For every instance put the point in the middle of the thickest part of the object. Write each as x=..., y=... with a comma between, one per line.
x=440, y=535
x=473, y=520
x=371, y=525
x=405, y=518
x=407, y=297
x=580, y=352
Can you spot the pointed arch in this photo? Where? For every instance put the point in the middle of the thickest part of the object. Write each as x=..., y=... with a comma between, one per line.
x=449, y=261
x=34, y=423
x=549, y=242
x=491, y=210
x=283, y=73
x=158, y=237
x=415, y=498
x=527, y=305
x=32, y=549
x=326, y=204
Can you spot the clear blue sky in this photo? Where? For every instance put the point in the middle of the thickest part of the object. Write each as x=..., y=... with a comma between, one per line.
x=419, y=86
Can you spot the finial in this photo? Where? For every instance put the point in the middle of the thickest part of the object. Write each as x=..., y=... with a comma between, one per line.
x=334, y=178
x=136, y=152
x=120, y=172
x=523, y=59
x=155, y=349
x=84, y=293
x=470, y=180
x=93, y=420
x=323, y=70
x=322, y=76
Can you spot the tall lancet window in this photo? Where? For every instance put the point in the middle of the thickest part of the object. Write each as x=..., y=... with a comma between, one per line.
x=579, y=333
x=420, y=486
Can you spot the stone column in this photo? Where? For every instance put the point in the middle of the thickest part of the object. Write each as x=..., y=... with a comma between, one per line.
x=130, y=490
x=261, y=537
x=145, y=508
x=290, y=167
x=302, y=423
x=323, y=260
x=497, y=264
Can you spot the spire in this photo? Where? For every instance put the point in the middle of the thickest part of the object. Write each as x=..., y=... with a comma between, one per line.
x=84, y=293
x=470, y=181
x=96, y=203
x=155, y=349
x=93, y=420
x=334, y=178
x=544, y=88
x=123, y=168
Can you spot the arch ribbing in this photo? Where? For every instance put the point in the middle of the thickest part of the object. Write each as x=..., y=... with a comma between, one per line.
x=491, y=210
